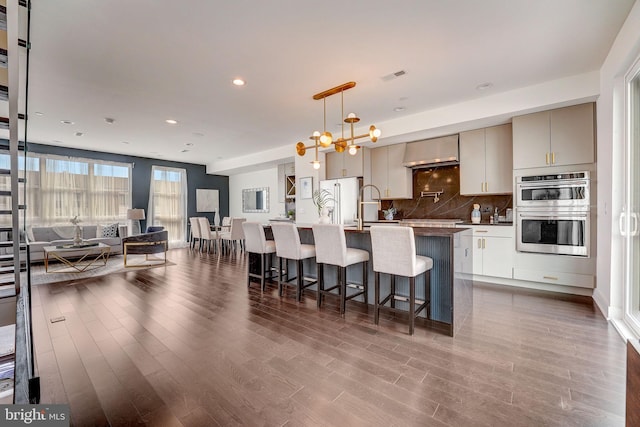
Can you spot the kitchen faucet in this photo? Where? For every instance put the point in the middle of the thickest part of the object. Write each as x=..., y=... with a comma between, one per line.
x=360, y=203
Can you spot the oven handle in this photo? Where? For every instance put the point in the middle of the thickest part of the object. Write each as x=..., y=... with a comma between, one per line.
x=549, y=184
x=634, y=230
x=569, y=217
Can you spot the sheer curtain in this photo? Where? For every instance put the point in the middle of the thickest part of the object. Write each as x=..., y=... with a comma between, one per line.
x=59, y=188
x=168, y=203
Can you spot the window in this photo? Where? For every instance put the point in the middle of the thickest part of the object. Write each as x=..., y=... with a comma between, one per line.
x=58, y=188
x=168, y=202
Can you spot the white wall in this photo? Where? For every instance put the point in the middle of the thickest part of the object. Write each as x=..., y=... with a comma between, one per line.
x=306, y=211
x=262, y=178
x=610, y=133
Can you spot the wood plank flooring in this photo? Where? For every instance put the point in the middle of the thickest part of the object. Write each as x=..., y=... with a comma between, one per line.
x=190, y=345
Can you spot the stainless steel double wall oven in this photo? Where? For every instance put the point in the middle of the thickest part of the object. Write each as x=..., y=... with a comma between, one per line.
x=553, y=213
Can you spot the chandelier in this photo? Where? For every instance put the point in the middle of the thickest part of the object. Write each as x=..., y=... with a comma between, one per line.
x=325, y=139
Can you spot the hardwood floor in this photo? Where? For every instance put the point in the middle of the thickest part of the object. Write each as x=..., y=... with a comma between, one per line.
x=190, y=345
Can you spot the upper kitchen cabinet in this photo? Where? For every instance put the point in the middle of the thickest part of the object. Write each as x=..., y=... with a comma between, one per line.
x=564, y=136
x=342, y=165
x=486, y=161
x=394, y=180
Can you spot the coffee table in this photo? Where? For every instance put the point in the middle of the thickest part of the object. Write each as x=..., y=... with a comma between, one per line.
x=76, y=259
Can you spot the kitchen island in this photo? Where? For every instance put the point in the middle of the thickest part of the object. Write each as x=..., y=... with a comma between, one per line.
x=451, y=286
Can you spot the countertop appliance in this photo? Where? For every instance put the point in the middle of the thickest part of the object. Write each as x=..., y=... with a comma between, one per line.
x=343, y=209
x=553, y=214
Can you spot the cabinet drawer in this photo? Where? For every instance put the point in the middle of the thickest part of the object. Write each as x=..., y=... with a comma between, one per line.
x=491, y=230
x=555, y=277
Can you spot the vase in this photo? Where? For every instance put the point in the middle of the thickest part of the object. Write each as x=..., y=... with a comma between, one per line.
x=77, y=236
x=324, y=216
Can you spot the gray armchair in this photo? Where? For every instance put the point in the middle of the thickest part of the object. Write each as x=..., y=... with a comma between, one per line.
x=146, y=244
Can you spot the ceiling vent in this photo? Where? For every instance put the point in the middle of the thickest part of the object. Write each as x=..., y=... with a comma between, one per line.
x=392, y=76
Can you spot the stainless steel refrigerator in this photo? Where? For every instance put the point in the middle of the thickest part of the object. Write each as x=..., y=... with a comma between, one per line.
x=344, y=207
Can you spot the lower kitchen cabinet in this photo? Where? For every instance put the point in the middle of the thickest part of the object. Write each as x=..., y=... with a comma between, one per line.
x=493, y=250
x=554, y=277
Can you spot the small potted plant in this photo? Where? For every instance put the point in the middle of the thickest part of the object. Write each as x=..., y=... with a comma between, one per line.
x=389, y=213
x=321, y=198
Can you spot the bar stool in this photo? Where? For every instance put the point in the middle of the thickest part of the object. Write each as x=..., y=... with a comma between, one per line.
x=257, y=243
x=394, y=252
x=195, y=232
x=288, y=247
x=331, y=248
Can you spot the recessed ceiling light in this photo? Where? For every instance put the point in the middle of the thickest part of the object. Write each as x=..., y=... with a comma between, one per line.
x=57, y=141
x=399, y=109
x=184, y=151
x=79, y=133
x=172, y=121
x=198, y=134
x=125, y=142
x=188, y=144
x=66, y=122
x=39, y=113
x=239, y=82
x=484, y=86
x=109, y=120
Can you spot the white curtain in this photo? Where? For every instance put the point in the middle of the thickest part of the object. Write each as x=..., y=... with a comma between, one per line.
x=59, y=188
x=168, y=203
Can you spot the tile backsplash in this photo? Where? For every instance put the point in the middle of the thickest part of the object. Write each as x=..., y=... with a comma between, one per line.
x=450, y=204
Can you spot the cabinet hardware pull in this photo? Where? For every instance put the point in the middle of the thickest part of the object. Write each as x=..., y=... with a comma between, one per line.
x=553, y=158
x=482, y=231
x=486, y=187
x=484, y=243
x=550, y=277
x=547, y=158
x=482, y=187
x=479, y=243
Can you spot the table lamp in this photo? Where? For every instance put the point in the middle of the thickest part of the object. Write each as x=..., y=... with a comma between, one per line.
x=135, y=215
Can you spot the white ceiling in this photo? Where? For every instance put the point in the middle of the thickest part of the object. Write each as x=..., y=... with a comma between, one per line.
x=141, y=62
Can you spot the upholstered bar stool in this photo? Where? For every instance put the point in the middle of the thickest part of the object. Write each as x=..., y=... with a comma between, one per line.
x=257, y=243
x=394, y=252
x=195, y=232
x=288, y=247
x=331, y=249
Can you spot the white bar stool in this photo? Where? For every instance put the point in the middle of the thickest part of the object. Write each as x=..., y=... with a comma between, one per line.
x=288, y=247
x=257, y=243
x=394, y=252
x=331, y=248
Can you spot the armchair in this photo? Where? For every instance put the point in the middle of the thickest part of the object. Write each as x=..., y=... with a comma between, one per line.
x=146, y=244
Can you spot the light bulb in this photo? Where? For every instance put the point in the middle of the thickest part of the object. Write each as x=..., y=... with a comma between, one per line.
x=316, y=134
x=326, y=139
x=316, y=164
x=351, y=116
x=353, y=150
x=374, y=133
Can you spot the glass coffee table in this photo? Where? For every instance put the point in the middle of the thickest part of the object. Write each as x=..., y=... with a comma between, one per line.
x=75, y=259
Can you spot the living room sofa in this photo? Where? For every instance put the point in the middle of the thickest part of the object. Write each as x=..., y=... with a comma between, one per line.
x=39, y=237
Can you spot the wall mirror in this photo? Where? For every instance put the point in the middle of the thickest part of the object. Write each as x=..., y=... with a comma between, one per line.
x=255, y=199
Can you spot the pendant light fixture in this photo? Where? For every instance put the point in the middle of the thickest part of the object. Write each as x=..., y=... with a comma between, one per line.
x=325, y=139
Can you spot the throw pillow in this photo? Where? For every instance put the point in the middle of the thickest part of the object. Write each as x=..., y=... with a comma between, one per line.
x=110, y=230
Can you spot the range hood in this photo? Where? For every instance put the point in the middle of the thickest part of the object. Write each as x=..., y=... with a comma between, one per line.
x=432, y=152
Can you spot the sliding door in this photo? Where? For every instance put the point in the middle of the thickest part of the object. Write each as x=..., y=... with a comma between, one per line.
x=631, y=213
